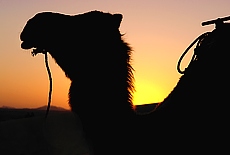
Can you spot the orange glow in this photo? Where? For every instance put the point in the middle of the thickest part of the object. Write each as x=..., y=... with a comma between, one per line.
x=159, y=31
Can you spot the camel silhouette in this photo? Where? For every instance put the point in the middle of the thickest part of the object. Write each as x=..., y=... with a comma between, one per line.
x=93, y=54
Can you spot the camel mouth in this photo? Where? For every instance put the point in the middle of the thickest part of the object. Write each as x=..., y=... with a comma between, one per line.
x=26, y=45
x=35, y=50
x=38, y=50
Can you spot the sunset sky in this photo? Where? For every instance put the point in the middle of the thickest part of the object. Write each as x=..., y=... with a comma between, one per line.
x=158, y=31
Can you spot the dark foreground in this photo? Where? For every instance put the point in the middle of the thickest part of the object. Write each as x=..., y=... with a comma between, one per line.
x=25, y=132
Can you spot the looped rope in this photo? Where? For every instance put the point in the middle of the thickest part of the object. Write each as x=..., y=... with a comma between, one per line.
x=198, y=39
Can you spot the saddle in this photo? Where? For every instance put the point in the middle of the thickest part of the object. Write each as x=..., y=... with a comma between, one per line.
x=202, y=82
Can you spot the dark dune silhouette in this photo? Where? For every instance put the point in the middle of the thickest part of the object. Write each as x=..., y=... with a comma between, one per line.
x=54, y=108
x=11, y=113
x=91, y=51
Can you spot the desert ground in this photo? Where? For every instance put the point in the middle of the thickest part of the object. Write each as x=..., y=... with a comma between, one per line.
x=26, y=132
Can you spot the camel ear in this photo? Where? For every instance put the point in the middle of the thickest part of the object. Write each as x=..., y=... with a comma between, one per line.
x=117, y=18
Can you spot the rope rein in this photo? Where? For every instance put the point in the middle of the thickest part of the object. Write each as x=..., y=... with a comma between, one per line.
x=50, y=84
x=34, y=53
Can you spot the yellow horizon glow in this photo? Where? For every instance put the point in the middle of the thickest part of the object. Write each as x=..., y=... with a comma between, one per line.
x=147, y=93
